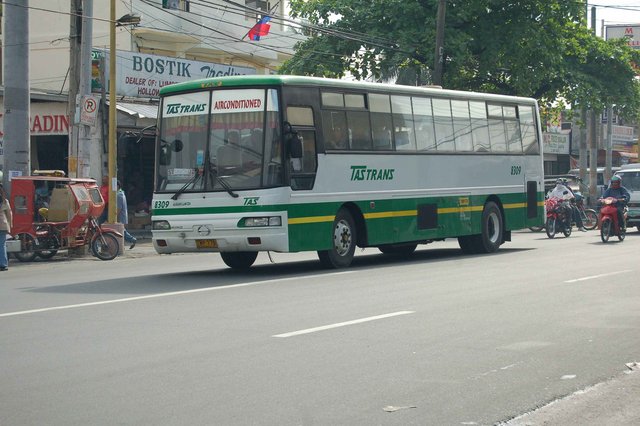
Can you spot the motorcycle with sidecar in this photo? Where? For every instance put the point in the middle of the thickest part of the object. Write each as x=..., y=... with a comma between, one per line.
x=52, y=213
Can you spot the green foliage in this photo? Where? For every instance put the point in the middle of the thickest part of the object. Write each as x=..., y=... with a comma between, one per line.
x=533, y=48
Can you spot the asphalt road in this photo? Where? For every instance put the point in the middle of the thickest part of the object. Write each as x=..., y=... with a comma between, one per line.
x=441, y=338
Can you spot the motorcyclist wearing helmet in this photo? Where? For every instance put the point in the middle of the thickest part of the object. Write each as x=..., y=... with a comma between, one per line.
x=563, y=192
x=617, y=191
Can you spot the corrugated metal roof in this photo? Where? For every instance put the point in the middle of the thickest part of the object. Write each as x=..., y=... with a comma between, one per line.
x=138, y=110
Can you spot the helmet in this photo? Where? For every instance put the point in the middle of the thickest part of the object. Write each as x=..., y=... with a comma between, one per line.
x=560, y=181
x=616, y=181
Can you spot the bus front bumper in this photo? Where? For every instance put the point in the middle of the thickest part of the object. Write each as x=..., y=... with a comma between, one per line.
x=219, y=236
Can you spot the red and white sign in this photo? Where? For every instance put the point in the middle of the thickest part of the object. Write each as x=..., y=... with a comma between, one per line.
x=630, y=32
x=89, y=110
x=47, y=118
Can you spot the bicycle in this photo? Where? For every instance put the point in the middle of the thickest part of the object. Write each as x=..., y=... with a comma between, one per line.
x=589, y=216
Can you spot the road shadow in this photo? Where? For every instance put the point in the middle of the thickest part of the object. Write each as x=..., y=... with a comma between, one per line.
x=215, y=277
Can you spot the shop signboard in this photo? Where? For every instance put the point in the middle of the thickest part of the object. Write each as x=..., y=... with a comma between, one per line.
x=555, y=143
x=46, y=119
x=629, y=32
x=622, y=138
x=143, y=75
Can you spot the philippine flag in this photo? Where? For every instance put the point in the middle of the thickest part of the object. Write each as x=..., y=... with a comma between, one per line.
x=260, y=29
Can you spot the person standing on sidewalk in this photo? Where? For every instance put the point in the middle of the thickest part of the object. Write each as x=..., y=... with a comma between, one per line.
x=123, y=215
x=5, y=228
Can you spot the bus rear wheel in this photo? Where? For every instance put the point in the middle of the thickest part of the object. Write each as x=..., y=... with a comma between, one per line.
x=343, y=238
x=490, y=238
x=239, y=259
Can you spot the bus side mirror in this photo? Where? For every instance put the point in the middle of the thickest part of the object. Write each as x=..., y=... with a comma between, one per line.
x=177, y=145
x=293, y=141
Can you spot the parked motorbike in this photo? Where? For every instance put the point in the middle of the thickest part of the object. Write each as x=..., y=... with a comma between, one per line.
x=609, y=225
x=68, y=221
x=589, y=216
x=51, y=237
x=558, y=217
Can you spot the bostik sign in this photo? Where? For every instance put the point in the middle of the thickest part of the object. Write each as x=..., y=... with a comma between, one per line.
x=142, y=75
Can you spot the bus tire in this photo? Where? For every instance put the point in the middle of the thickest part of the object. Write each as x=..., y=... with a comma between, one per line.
x=398, y=249
x=491, y=234
x=343, y=241
x=239, y=259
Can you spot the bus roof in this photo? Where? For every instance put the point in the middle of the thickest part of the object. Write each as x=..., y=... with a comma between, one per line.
x=294, y=80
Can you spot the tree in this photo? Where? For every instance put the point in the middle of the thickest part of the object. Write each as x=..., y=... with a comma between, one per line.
x=533, y=48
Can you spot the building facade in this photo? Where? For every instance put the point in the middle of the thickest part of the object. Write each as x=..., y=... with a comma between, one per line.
x=175, y=40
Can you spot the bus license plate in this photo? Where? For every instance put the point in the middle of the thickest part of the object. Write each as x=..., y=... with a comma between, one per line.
x=206, y=244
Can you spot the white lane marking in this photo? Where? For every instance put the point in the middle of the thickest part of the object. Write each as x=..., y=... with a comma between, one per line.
x=342, y=324
x=592, y=277
x=172, y=293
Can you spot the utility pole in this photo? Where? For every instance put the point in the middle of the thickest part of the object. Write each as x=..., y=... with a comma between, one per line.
x=439, y=54
x=84, y=131
x=80, y=35
x=593, y=145
x=609, y=155
x=17, y=152
x=583, y=149
x=75, y=40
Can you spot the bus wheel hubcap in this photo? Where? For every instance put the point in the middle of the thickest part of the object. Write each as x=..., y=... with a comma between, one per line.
x=493, y=227
x=342, y=238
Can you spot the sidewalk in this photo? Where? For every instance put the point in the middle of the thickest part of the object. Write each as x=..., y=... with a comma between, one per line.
x=143, y=248
x=614, y=402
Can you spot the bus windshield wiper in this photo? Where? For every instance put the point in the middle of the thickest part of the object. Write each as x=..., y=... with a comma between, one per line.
x=226, y=186
x=191, y=181
x=213, y=172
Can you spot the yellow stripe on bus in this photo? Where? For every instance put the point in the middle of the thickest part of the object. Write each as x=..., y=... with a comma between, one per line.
x=514, y=206
x=310, y=219
x=401, y=213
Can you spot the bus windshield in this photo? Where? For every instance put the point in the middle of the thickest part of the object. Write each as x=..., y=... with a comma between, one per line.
x=220, y=141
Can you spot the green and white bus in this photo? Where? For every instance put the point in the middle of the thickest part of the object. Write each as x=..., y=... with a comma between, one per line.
x=288, y=164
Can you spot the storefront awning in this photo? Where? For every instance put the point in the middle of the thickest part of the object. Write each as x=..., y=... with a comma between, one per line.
x=628, y=154
x=138, y=110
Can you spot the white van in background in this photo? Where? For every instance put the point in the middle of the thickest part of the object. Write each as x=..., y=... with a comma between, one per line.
x=601, y=185
x=630, y=175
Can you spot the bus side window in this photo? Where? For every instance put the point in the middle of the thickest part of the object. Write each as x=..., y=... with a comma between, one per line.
x=360, y=130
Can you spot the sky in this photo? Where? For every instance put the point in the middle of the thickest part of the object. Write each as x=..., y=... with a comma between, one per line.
x=615, y=12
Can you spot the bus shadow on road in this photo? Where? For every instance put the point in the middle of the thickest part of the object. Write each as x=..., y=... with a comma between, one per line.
x=265, y=272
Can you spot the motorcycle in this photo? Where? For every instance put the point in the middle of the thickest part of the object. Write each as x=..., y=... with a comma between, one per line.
x=558, y=217
x=68, y=222
x=609, y=225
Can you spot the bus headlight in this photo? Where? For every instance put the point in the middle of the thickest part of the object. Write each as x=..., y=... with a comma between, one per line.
x=161, y=225
x=251, y=222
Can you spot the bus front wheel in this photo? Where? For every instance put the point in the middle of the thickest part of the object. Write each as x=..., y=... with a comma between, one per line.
x=239, y=259
x=343, y=238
